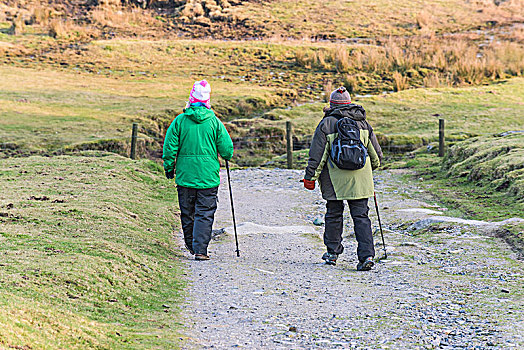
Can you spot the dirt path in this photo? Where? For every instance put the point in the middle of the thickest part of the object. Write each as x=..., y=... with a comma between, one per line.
x=445, y=286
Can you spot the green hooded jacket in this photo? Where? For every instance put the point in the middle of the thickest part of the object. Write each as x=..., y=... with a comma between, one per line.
x=335, y=183
x=191, y=147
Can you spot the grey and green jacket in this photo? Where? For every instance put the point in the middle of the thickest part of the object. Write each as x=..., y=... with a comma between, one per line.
x=335, y=183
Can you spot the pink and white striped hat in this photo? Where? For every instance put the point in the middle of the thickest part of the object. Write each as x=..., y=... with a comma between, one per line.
x=201, y=92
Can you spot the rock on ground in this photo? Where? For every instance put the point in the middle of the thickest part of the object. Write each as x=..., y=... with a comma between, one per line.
x=448, y=288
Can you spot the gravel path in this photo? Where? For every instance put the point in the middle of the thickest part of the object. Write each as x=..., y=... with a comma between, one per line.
x=445, y=285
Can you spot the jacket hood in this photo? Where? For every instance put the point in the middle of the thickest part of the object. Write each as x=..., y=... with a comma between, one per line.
x=353, y=111
x=199, y=114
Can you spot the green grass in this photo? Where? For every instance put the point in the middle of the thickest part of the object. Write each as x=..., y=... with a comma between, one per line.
x=92, y=266
x=481, y=178
x=300, y=159
x=87, y=254
x=472, y=199
x=80, y=108
x=406, y=120
x=47, y=110
x=495, y=163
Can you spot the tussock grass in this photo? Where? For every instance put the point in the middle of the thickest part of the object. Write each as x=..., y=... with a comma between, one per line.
x=87, y=254
x=400, y=81
x=118, y=18
x=494, y=162
x=67, y=30
x=421, y=60
x=291, y=70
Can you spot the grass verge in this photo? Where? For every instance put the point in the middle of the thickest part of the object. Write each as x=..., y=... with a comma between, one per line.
x=482, y=178
x=406, y=120
x=87, y=259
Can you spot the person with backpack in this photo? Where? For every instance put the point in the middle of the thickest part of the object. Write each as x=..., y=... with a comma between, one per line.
x=192, y=144
x=343, y=153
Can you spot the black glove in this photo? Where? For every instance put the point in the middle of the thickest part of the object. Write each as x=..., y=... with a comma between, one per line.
x=170, y=174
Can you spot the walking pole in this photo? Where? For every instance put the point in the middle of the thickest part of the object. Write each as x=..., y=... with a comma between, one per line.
x=380, y=225
x=232, y=207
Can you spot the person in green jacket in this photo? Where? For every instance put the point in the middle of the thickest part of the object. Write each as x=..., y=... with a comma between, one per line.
x=192, y=144
x=337, y=185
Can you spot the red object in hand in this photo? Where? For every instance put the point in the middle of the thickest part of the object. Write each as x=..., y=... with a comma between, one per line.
x=310, y=185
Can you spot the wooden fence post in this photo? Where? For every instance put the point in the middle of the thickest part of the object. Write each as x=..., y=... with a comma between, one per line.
x=289, y=142
x=134, y=133
x=441, y=144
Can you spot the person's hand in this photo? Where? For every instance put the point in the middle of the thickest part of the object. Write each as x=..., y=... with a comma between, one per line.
x=170, y=174
x=308, y=184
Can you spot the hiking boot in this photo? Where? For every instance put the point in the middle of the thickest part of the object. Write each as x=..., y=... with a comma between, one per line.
x=331, y=259
x=366, y=265
x=189, y=248
x=201, y=257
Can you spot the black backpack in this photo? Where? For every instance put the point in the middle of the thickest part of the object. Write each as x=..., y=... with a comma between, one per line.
x=347, y=151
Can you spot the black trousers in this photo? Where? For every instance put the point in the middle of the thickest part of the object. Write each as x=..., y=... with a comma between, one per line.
x=335, y=223
x=197, y=213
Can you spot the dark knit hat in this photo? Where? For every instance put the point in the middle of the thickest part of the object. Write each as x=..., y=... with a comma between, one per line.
x=339, y=97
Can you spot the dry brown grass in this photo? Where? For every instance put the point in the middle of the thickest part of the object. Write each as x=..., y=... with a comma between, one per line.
x=376, y=58
x=304, y=59
x=400, y=81
x=517, y=35
x=328, y=88
x=340, y=56
x=40, y=15
x=321, y=60
x=426, y=60
x=423, y=19
x=351, y=83
x=58, y=28
x=432, y=80
x=505, y=57
x=17, y=25
x=66, y=29
x=114, y=18
x=325, y=58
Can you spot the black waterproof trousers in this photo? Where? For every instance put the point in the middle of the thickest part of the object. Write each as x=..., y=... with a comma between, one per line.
x=335, y=223
x=197, y=213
